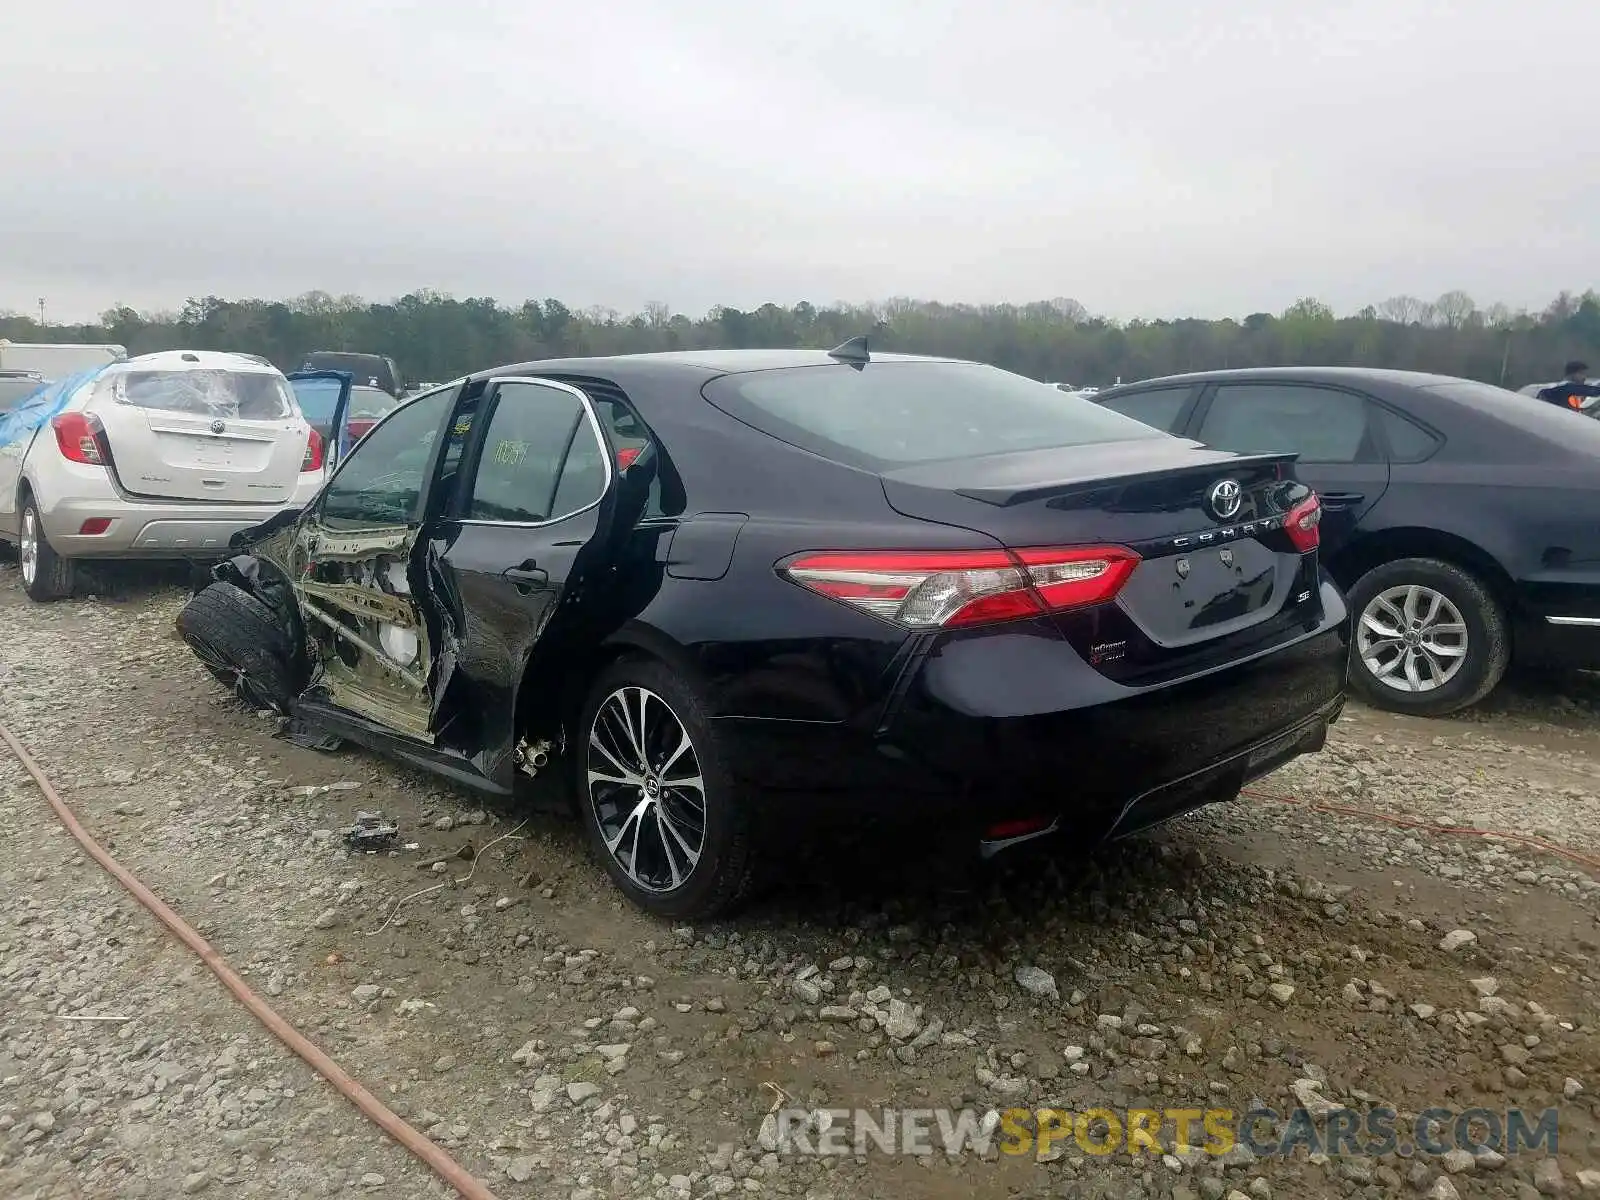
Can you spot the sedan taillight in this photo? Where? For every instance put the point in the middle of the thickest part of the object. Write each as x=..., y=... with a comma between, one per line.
x=81, y=438
x=943, y=589
x=1302, y=522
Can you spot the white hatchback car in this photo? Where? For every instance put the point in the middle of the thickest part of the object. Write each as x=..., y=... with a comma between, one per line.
x=164, y=456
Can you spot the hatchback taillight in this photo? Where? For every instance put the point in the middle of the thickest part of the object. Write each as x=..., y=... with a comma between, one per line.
x=81, y=438
x=313, y=456
x=1302, y=522
x=941, y=589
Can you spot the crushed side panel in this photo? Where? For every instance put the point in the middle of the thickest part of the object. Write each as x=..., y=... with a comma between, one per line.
x=369, y=645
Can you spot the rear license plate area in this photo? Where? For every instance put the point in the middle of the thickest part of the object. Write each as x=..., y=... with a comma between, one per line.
x=1215, y=585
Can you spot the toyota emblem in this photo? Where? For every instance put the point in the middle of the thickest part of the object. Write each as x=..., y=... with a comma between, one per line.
x=218, y=427
x=1226, y=498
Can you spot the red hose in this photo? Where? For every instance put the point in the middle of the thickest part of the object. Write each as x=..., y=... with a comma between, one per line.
x=1431, y=827
x=442, y=1165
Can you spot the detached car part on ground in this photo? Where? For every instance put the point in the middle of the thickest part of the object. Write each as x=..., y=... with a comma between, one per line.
x=164, y=456
x=735, y=595
x=1462, y=519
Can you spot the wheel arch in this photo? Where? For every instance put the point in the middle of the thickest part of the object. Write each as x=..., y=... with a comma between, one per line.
x=546, y=712
x=1388, y=545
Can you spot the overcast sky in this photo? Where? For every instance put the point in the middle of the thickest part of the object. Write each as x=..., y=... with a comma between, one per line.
x=1152, y=158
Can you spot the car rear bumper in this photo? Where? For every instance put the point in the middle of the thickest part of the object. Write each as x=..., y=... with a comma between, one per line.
x=147, y=530
x=1009, y=728
x=143, y=528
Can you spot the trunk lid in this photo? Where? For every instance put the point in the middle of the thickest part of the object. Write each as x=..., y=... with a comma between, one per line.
x=1211, y=575
x=230, y=436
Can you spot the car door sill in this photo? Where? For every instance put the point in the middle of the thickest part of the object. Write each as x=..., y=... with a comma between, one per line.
x=448, y=763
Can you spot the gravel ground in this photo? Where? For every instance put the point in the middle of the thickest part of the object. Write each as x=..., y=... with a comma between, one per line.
x=563, y=1045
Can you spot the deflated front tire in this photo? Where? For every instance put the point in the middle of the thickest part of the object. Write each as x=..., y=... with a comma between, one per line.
x=243, y=644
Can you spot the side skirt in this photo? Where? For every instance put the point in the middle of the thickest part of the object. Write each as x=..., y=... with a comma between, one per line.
x=439, y=761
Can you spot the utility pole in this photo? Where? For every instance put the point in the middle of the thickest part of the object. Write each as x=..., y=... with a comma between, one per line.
x=41, y=312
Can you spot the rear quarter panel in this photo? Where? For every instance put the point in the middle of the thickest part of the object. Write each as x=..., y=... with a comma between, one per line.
x=763, y=647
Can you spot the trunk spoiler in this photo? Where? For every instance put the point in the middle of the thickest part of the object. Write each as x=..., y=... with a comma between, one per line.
x=1042, y=477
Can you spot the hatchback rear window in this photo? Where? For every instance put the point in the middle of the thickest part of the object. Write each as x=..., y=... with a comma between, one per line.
x=897, y=414
x=242, y=395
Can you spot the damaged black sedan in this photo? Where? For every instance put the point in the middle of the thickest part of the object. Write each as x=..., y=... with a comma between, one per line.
x=729, y=593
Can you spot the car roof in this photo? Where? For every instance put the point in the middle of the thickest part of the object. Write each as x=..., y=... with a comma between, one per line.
x=1353, y=375
x=194, y=360
x=704, y=364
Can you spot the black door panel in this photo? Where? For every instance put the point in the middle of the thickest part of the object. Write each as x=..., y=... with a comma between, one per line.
x=534, y=492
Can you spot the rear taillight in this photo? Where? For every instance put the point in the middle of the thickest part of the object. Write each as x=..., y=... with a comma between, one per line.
x=313, y=456
x=625, y=457
x=82, y=438
x=1301, y=524
x=941, y=589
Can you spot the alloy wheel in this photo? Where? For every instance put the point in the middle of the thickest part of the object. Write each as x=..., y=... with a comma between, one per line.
x=1412, y=638
x=28, y=547
x=646, y=790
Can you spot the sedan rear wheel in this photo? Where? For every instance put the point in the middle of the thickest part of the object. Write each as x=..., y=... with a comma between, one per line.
x=656, y=797
x=1430, y=638
x=45, y=574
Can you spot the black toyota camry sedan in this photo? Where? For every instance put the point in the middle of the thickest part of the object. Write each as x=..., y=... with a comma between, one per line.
x=730, y=594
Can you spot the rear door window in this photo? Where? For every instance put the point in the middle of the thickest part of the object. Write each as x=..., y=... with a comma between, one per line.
x=1323, y=424
x=540, y=460
x=1158, y=408
x=888, y=415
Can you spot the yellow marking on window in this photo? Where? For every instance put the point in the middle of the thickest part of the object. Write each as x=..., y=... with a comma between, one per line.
x=510, y=454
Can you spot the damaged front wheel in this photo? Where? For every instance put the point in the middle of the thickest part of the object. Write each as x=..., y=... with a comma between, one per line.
x=243, y=644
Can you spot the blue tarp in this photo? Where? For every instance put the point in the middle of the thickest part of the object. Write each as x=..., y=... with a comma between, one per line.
x=33, y=410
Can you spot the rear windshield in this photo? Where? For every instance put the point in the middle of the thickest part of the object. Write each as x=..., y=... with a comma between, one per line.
x=897, y=414
x=242, y=395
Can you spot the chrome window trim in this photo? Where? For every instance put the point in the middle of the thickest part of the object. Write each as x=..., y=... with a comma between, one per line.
x=594, y=427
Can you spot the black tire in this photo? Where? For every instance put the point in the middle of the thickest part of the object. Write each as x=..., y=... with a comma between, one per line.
x=243, y=644
x=720, y=880
x=53, y=576
x=1488, y=640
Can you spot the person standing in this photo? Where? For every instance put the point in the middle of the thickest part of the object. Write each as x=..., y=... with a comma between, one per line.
x=1572, y=391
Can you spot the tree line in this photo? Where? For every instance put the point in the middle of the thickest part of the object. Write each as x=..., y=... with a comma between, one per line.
x=437, y=337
